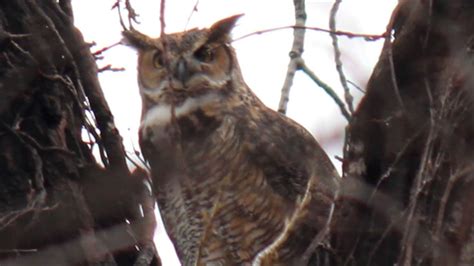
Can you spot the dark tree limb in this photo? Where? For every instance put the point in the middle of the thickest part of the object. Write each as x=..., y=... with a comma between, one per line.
x=408, y=174
x=58, y=206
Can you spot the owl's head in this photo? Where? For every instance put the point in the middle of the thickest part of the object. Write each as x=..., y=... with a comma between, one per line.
x=189, y=63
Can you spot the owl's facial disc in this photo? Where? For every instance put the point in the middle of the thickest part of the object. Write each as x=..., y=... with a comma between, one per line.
x=185, y=64
x=208, y=67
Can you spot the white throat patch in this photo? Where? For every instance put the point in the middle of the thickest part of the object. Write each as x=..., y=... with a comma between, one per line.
x=160, y=115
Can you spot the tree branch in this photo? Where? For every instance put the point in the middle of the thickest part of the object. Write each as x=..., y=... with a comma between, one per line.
x=337, y=56
x=348, y=34
x=326, y=88
x=162, y=17
x=195, y=9
x=295, y=54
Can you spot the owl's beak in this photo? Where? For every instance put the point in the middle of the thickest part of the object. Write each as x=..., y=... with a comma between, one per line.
x=182, y=71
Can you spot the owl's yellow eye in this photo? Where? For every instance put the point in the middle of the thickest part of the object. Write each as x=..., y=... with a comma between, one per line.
x=158, y=59
x=205, y=54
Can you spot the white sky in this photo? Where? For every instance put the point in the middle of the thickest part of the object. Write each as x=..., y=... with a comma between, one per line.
x=263, y=58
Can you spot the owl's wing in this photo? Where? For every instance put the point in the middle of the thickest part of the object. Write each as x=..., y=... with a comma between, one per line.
x=297, y=169
x=288, y=154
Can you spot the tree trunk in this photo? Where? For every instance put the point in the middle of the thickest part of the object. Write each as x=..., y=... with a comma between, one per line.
x=58, y=205
x=408, y=168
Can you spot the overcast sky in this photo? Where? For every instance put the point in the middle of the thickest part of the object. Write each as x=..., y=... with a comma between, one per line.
x=263, y=58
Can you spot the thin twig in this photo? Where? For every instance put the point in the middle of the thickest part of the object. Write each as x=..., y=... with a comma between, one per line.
x=9, y=36
x=104, y=49
x=412, y=220
x=393, y=76
x=388, y=47
x=37, y=202
x=129, y=158
x=110, y=68
x=318, y=239
x=18, y=250
x=367, y=37
x=392, y=167
x=267, y=256
x=450, y=106
x=295, y=54
x=411, y=230
x=162, y=17
x=119, y=11
x=26, y=139
x=83, y=103
x=337, y=56
x=453, y=179
x=326, y=88
x=385, y=233
x=140, y=157
x=356, y=86
x=24, y=52
x=132, y=15
x=195, y=9
x=35, y=205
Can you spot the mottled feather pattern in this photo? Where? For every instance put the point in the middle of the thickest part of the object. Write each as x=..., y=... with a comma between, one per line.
x=236, y=182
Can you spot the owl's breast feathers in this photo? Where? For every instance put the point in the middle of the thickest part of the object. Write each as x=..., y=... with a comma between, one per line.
x=235, y=180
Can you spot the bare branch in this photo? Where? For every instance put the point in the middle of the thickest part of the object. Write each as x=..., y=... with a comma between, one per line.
x=104, y=49
x=367, y=37
x=162, y=17
x=110, y=68
x=64, y=31
x=132, y=15
x=393, y=76
x=326, y=88
x=269, y=255
x=453, y=179
x=319, y=238
x=295, y=54
x=337, y=56
x=119, y=12
x=195, y=9
x=18, y=250
x=411, y=231
x=9, y=36
x=141, y=160
x=388, y=47
x=130, y=159
x=356, y=86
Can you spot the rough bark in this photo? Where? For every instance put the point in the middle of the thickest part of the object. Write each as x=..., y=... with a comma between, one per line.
x=58, y=205
x=408, y=168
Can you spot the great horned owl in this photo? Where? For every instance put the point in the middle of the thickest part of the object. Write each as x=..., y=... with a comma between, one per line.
x=236, y=182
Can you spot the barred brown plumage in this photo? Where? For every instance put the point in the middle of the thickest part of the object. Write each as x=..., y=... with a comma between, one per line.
x=236, y=182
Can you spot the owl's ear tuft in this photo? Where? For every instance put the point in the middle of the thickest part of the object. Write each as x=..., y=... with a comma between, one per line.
x=220, y=31
x=136, y=39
